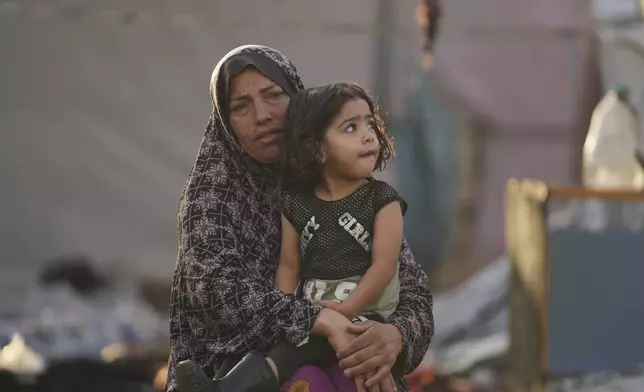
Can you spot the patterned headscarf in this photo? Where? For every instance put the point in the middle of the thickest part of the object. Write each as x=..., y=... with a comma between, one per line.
x=230, y=203
x=224, y=177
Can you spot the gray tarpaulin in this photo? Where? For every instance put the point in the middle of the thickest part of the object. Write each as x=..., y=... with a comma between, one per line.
x=102, y=108
x=98, y=136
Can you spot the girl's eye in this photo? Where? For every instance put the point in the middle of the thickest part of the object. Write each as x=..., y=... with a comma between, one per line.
x=372, y=125
x=351, y=128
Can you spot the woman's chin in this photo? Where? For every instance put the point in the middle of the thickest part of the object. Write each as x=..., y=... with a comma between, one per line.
x=267, y=154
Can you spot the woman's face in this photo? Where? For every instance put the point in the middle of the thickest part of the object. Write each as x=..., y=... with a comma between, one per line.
x=257, y=108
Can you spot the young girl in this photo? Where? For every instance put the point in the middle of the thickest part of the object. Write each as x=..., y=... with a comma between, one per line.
x=341, y=229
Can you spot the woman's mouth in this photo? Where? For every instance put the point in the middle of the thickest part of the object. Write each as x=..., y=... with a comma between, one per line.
x=269, y=137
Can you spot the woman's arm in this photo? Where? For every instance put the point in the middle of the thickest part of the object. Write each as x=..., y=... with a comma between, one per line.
x=387, y=237
x=413, y=316
x=288, y=269
x=220, y=292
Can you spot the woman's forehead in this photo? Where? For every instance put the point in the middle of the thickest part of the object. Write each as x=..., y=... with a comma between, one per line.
x=250, y=82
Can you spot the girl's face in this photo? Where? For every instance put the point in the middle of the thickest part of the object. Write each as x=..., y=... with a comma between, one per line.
x=350, y=147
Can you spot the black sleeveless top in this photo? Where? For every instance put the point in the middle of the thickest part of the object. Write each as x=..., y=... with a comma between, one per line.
x=335, y=236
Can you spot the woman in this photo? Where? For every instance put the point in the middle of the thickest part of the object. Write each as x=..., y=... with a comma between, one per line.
x=223, y=304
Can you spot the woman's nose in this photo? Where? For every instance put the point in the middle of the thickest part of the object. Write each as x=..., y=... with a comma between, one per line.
x=262, y=112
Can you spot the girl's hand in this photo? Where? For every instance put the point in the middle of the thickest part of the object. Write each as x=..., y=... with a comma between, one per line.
x=341, y=339
x=386, y=385
x=339, y=307
x=360, y=381
x=335, y=327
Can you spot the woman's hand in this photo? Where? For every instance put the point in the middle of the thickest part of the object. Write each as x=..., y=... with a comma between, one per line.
x=374, y=351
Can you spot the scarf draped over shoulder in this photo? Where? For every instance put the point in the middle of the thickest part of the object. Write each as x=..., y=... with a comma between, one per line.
x=222, y=301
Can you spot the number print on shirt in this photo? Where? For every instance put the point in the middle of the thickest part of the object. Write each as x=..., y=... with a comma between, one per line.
x=344, y=289
x=315, y=289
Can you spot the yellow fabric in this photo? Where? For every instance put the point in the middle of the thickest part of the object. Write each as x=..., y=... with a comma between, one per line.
x=299, y=386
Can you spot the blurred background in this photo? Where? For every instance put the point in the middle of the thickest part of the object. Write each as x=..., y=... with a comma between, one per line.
x=103, y=105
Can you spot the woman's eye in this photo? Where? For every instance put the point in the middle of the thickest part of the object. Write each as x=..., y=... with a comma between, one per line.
x=276, y=94
x=239, y=107
x=372, y=125
x=352, y=128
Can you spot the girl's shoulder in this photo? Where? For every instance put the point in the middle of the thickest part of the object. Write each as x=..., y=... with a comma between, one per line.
x=384, y=194
x=379, y=187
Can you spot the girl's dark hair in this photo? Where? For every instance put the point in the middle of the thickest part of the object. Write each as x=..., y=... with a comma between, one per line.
x=309, y=113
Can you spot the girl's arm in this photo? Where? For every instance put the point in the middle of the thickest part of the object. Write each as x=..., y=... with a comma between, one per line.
x=288, y=269
x=385, y=249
